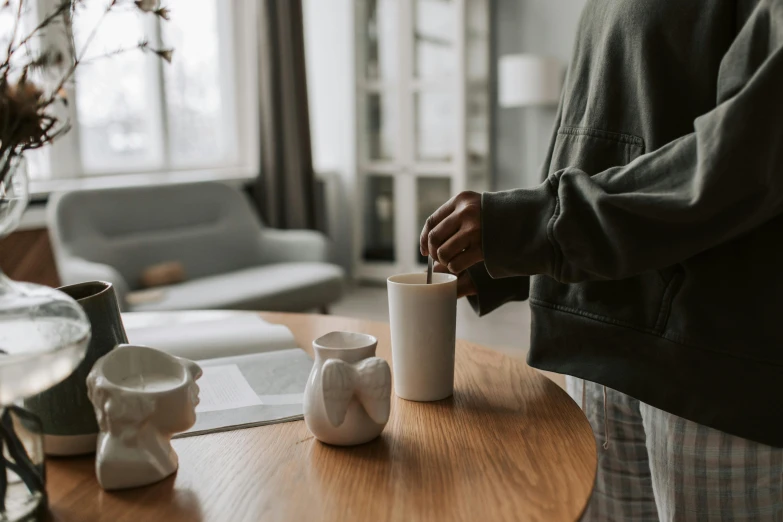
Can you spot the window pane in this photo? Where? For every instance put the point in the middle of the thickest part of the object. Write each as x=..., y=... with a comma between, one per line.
x=380, y=127
x=434, y=126
x=38, y=164
x=198, y=132
x=434, y=29
x=379, y=219
x=431, y=193
x=117, y=102
x=379, y=31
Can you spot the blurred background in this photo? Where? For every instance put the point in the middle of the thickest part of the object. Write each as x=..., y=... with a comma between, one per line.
x=352, y=120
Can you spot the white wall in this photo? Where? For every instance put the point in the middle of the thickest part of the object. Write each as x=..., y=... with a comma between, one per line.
x=328, y=28
x=545, y=27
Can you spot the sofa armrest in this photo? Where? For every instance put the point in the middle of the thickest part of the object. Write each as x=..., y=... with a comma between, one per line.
x=278, y=246
x=74, y=270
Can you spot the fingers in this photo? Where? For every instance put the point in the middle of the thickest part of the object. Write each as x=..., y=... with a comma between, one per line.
x=434, y=220
x=465, y=285
x=453, y=247
x=465, y=260
x=459, y=219
x=438, y=267
x=447, y=230
x=455, y=236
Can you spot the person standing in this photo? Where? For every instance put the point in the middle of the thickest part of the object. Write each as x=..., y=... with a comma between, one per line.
x=652, y=255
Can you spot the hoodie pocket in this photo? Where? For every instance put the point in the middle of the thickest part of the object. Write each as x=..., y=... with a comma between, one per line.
x=641, y=301
x=593, y=150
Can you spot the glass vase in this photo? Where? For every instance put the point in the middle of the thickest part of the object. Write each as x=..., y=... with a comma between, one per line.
x=43, y=336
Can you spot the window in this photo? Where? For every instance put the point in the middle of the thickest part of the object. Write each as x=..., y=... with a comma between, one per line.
x=134, y=113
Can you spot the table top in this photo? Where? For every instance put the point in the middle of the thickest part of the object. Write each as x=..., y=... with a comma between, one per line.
x=509, y=445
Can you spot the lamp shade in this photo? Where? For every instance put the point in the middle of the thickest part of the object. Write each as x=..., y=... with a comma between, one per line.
x=527, y=79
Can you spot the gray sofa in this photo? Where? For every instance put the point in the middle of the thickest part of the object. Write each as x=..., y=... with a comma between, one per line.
x=231, y=260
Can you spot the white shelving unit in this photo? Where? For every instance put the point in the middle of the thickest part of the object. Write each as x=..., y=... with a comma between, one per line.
x=422, y=95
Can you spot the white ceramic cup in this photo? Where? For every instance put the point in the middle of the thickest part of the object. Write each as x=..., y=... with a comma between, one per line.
x=423, y=330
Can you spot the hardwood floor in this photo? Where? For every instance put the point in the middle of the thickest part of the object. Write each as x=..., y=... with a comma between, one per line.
x=27, y=256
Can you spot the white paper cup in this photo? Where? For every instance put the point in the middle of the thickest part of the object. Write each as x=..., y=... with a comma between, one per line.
x=423, y=330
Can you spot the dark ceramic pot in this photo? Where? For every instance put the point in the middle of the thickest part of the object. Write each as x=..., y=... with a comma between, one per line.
x=66, y=413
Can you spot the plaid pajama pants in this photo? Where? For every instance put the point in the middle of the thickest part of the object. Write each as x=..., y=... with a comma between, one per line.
x=658, y=466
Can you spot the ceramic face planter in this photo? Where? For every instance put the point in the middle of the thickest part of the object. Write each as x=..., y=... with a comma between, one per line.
x=141, y=398
x=347, y=398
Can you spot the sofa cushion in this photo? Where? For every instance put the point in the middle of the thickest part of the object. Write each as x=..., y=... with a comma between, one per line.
x=210, y=228
x=287, y=287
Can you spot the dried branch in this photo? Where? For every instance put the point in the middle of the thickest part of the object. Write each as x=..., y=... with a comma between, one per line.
x=27, y=121
x=78, y=59
x=17, y=20
x=141, y=46
x=64, y=6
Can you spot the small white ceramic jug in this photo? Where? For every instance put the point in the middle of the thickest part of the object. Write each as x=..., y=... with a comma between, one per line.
x=348, y=394
x=141, y=397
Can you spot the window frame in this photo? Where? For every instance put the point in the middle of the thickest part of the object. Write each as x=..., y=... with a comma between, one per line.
x=239, y=81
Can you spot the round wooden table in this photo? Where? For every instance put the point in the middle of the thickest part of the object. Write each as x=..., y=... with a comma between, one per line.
x=509, y=445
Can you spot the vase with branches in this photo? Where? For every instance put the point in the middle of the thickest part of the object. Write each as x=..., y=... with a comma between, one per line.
x=43, y=332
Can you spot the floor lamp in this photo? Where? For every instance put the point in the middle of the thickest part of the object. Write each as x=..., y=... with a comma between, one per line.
x=527, y=80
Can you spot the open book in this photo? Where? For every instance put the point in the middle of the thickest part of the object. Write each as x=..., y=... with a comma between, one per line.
x=254, y=373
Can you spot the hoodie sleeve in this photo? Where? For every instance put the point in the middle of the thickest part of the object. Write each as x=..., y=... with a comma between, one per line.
x=703, y=189
x=491, y=293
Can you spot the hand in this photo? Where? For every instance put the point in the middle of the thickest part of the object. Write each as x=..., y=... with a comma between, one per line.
x=452, y=235
x=465, y=284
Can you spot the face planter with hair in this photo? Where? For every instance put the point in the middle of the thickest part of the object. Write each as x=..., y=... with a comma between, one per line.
x=141, y=398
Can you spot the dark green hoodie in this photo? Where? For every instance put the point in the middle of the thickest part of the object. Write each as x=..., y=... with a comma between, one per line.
x=656, y=240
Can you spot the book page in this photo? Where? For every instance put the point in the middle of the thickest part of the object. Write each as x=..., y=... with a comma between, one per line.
x=224, y=388
x=277, y=381
x=206, y=334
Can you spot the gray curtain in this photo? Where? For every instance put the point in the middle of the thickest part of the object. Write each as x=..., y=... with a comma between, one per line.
x=284, y=190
